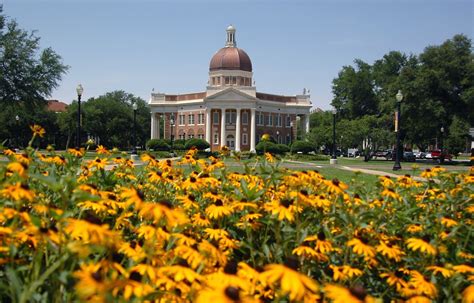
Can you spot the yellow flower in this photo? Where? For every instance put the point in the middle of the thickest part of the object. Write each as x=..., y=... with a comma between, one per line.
x=223, y=294
x=291, y=282
x=463, y=268
x=389, y=250
x=37, y=130
x=340, y=294
x=428, y=174
x=101, y=150
x=361, y=247
x=218, y=210
x=421, y=245
x=269, y=157
x=18, y=192
x=414, y=228
x=335, y=186
x=448, y=222
x=395, y=279
x=443, y=271
x=424, y=287
x=17, y=167
x=98, y=163
x=468, y=294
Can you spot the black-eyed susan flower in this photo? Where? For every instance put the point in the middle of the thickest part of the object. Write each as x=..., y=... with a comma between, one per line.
x=390, y=250
x=340, y=294
x=396, y=278
x=227, y=294
x=335, y=186
x=445, y=272
x=218, y=210
x=18, y=192
x=37, y=130
x=468, y=294
x=361, y=247
x=289, y=280
x=421, y=245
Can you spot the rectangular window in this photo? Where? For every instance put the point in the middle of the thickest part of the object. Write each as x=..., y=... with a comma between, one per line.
x=200, y=118
x=270, y=120
x=181, y=119
x=234, y=80
x=227, y=80
x=191, y=119
x=244, y=139
x=201, y=136
x=288, y=140
x=218, y=80
x=279, y=120
x=216, y=139
x=245, y=118
x=288, y=121
x=215, y=118
x=190, y=136
x=182, y=137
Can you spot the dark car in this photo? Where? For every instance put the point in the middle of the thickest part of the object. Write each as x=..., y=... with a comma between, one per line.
x=387, y=154
x=409, y=156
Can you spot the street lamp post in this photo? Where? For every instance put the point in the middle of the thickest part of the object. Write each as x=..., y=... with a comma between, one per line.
x=333, y=159
x=134, y=149
x=397, y=165
x=441, y=156
x=291, y=132
x=79, y=91
x=17, y=119
x=278, y=136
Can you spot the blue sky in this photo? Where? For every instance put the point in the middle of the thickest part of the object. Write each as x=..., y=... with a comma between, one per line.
x=137, y=45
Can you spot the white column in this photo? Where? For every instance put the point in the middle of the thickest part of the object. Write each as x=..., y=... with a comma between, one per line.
x=237, y=131
x=158, y=126
x=222, y=143
x=153, y=125
x=252, y=129
x=208, y=125
x=306, y=122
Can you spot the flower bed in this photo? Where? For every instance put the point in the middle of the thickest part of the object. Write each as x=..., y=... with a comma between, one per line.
x=73, y=230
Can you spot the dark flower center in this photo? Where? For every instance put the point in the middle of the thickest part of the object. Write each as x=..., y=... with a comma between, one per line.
x=304, y=192
x=192, y=198
x=140, y=194
x=219, y=202
x=136, y=276
x=232, y=293
x=231, y=268
x=97, y=276
x=286, y=202
x=335, y=181
x=292, y=262
x=358, y=291
x=192, y=179
x=321, y=236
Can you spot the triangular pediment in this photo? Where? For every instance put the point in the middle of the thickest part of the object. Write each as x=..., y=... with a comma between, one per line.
x=230, y=94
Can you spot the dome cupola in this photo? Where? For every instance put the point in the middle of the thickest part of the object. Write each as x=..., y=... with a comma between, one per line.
x=231, y=57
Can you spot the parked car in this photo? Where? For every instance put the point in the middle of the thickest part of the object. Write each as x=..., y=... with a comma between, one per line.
x=409, y=156
x=419, y=154
x=387, y=154
x=440, y=155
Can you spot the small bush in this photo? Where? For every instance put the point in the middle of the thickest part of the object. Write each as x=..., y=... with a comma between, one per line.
x=302, y=146
x=178, y=146
x=200, y=144
x=157, y=144
x=270, y=147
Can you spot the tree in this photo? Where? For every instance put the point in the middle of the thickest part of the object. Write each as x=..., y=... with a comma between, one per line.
x=109, y=119
x=458, y=134
x=28, y=75
x=353, y=91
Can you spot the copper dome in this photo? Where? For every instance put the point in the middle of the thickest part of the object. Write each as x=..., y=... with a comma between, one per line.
x=231, y=58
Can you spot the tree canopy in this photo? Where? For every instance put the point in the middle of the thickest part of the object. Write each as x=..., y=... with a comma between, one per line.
x=438, y=88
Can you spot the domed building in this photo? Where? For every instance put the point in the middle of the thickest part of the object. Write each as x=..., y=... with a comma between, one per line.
x=230, y=111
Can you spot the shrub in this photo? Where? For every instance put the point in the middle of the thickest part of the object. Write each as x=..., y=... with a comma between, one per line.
x=200, y=144
x=157, y=144
x=178, y=146
x=302, y=146
x=270, y=147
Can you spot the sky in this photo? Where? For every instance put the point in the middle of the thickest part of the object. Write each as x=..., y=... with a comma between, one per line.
x=140, y=45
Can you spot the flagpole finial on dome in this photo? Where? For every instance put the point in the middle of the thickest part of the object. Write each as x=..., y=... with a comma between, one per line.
x=230, y=36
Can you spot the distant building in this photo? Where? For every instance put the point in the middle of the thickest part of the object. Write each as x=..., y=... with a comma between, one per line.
x=230, y=111
x=56, y=106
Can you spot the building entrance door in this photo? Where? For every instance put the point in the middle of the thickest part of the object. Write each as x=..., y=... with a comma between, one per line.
x=230, y=142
